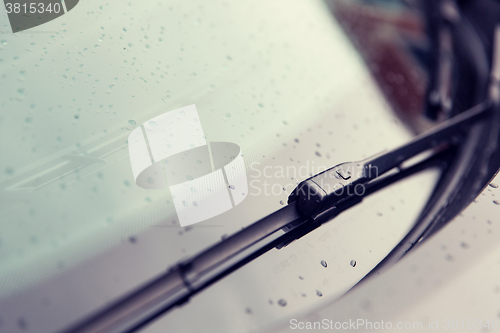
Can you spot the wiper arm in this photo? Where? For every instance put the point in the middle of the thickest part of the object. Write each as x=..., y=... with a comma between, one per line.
x=314, y=201
x=319, y=194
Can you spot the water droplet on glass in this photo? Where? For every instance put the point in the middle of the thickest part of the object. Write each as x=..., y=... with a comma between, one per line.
x=132, y=239
x=126, y=183
x=3, y=41
x=189, y=177
x=496, y=202
x=323, y=263
x=198, y=161
x=318, y=154
x=248, y=311
x=22, y=324
x=493, y=185
x=132, y=122
x=319, y=293
x=353, y=263
x=282, y=302
x=282, y=202
x=231, y=187
x=228, y=115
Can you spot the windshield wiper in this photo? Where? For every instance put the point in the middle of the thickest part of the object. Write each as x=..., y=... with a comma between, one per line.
x=315, y=201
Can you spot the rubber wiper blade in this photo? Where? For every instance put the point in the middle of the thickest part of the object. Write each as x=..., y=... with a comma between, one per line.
x=313, y=202
x=187, y=278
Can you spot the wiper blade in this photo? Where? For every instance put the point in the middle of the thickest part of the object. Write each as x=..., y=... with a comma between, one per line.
x=313, y=202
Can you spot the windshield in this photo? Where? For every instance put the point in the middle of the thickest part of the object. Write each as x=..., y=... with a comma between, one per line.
x=279, y=79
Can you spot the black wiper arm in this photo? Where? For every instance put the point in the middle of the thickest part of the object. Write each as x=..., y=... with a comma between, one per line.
x=314, y=201
x=317, y=195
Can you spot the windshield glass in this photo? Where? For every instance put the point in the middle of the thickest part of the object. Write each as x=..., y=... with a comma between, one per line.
x=279, y=79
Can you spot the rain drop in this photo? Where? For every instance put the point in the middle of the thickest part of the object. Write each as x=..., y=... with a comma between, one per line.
x=22, y=324
x=493, y=185
x=496, y=202
x=323, y=263
x=231, y=187
x=282, y=302
x=282, y=202
x=319, y=293
x=132, y=122
x=353, y=263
